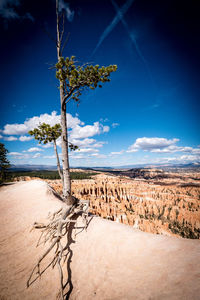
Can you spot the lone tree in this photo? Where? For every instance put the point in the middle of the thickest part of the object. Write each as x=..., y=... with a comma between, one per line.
x=4, y=162
x=74, y=79
x=44, y=133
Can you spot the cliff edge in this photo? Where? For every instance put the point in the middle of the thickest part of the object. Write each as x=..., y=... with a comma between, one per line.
x=108, y=261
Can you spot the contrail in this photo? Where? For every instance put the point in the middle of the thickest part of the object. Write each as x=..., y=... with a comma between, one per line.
x=114, y=22
x=121, y=18
x=131, y=35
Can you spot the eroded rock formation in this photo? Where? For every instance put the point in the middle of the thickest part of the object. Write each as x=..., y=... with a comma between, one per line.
x=170, y=210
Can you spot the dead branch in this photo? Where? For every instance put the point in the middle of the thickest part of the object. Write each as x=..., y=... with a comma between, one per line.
x=65, y=42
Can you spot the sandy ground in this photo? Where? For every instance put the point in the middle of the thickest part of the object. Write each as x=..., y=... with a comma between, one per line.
x=21, y=204
x=108, y=261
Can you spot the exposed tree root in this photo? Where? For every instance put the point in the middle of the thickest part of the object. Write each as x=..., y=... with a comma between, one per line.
x=57, y=231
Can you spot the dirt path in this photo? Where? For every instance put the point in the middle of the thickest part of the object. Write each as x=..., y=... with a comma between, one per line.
x=109, y=261
x=21, y=204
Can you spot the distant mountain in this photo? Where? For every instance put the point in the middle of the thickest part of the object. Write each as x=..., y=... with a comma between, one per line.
x=27, y=167
x=162, y=166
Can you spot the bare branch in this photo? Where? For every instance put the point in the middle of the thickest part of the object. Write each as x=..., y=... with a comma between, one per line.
x=86, y=64
x=49, y=35
x=64, y=44
x=63, y=28
x=58, y=31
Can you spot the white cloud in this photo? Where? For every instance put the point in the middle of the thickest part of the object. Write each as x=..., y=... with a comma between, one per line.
x=79, y=132
x=183, y=159
x=1, y=136
x=23, y=156
x=77, y=156
x=87, y=142
x=15, y=153
x=8, y=10
x=160, y=145
x=99, y=144
x=34, y=149
x=150, y=144
x=73, y=121
x=58, y=143
x=106, y=128
x=189, y=158
x=98, y=155
x=18, y=155
x=15, y=129
x=82, y=143
x=88, y=150
x=49, y=145
x=31, y=123
x=117, y=153
x=36, y=155
x=189, y=150
x=25, y=138
x=104, y=120
x=65, y=6
x=49, y=156
x=10, y=138
x=85, y=132
x=114, y=125
x=172, y=149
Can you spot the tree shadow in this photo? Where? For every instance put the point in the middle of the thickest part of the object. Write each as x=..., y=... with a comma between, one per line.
x=70, y=240
x=6, y=184
x=67, y=256
x=56, y=194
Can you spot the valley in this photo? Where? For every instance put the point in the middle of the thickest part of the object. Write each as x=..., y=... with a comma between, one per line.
x=167, y=204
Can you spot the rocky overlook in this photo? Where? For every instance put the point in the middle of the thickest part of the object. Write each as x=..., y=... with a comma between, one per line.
x=107, y=261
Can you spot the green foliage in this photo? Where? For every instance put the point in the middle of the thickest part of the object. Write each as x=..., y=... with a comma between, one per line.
x=77, y=78
x=45, y=133
x=72, y=147
x=185, y=231
x=4, y=162
x=49, y=174
x=81, y=175
x=40, y=174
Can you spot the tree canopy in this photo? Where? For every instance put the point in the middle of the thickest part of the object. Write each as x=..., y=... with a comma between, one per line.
x=77, y=78
x=44, y=133
x=4, y=162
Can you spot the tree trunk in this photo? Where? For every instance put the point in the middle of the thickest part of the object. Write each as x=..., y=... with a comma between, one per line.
x=64, y=137
x=65, y=156
x=58, y=160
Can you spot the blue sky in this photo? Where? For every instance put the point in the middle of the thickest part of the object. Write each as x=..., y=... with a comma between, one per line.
x=147, y=114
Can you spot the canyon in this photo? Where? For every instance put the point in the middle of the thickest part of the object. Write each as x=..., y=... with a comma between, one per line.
x=170, y=206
